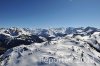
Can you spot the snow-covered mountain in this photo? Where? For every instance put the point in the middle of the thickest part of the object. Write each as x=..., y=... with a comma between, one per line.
x=50, y=47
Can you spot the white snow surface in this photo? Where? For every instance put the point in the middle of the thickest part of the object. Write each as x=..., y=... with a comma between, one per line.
x=68, y=50
x=65, y=51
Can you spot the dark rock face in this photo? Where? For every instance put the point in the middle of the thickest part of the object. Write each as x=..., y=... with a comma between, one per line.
x=17, y=42
x=3, y=40
x=26, y=40
x=90, y=30
x=8, y=42
x=12, y=32
x=77, y=35
x=49, y=38
x=60, y=35
x=35, y=38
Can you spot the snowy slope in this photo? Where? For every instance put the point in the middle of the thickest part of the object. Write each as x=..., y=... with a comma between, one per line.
x=61, y=52
x=77, y=47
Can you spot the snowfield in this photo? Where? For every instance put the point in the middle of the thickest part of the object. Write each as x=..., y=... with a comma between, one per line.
x=67, y=47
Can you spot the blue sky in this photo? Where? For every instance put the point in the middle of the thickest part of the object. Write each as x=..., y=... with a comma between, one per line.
x=49, y=13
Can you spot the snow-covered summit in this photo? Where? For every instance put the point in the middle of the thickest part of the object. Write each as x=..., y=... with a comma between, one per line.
x=50, y=47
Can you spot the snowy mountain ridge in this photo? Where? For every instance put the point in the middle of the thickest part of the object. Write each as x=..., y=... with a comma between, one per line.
x=49, y=32
x=50, y=47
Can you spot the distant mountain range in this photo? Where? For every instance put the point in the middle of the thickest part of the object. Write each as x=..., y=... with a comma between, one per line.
x=19, y=45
